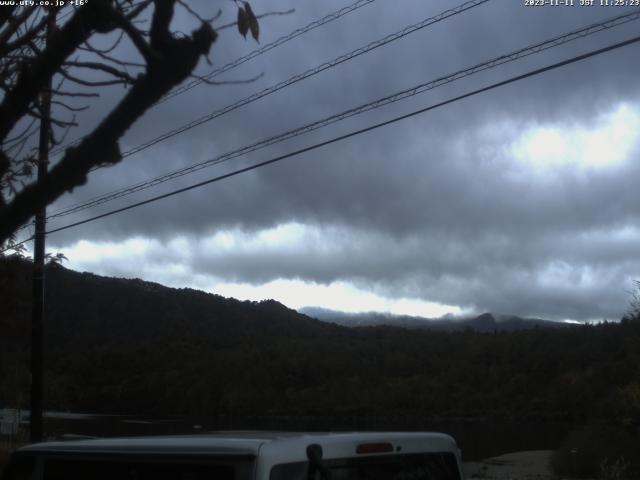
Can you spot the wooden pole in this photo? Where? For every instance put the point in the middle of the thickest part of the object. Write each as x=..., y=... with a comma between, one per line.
x=37, y=315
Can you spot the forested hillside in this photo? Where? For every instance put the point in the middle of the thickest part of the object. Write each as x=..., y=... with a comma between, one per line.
x=128, y=346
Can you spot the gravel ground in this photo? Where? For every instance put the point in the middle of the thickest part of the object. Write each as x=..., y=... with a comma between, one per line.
x=531, y=465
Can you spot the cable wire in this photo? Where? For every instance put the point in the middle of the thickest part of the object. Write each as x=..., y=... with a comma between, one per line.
x=309, y=73
x=401, y=95
x=303, y=76
x=250, y=56
x=356, y=132
x=13, y=247
x=297, y=78
x=270, y=46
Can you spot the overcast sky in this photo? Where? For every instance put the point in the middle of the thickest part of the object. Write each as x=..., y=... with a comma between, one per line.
x=522, y=200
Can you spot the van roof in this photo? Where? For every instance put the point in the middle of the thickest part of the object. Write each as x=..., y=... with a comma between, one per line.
x=236, y=443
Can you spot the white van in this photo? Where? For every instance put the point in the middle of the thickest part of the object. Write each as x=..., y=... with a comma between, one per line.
x=244, y=456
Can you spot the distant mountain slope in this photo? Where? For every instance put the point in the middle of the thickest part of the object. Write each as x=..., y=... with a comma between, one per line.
x=131, y=310
x=130, y=346
x=95, y=309
x=486, y=322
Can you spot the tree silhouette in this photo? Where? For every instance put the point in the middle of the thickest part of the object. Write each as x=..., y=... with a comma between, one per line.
x=76, y=68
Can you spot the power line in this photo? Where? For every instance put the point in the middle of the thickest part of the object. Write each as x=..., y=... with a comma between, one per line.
x=358, y=132
x=299, y=77
x=270, y=46
x=14, y=245
x=403, y=94
x=250, y=56
x=309, y=73
x=303, y=76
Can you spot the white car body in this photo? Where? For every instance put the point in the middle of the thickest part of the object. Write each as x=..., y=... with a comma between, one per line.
x=244, y=456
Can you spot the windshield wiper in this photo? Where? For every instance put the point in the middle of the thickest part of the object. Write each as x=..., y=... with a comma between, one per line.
x=314, y=454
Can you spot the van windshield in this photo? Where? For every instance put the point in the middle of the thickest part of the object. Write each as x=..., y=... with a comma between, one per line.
x=118, y=468
x=134, y=470
x=423, y=466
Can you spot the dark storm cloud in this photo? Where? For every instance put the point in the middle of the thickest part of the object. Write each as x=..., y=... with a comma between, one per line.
x=435, y=207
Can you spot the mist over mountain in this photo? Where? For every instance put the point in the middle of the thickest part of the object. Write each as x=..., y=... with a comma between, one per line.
x=486, y=322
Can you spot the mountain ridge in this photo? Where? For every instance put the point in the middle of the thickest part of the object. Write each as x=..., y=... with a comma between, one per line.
x=485, y=322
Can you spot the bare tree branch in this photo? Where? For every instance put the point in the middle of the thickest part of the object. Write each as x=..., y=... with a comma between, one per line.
x=136, y=38
x=94, y=15
x=103, y=67
x=172, y=63
x=14, y=23
x=28, y=64
x=91, y=83
x=64, y=93
x=69, y=107
x=25, y=39
x=228, y=82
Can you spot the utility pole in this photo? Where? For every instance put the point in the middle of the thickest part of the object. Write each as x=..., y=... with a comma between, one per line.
x=37, y=314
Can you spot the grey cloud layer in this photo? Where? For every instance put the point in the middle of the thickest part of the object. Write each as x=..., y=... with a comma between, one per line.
x=434, y=207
